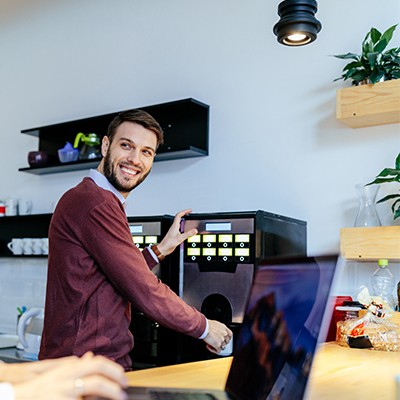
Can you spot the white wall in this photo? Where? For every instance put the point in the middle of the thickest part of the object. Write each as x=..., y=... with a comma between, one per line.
x=275, y=143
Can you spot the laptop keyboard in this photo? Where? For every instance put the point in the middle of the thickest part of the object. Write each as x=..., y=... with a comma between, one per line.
x=170, y=395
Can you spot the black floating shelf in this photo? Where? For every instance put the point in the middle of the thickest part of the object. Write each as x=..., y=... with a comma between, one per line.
x=61, y=167
x=185, y=124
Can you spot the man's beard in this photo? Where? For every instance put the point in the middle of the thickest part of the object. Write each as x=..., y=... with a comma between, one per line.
x=109, y=173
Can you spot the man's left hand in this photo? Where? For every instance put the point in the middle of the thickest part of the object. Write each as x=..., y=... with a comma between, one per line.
x=174, y=236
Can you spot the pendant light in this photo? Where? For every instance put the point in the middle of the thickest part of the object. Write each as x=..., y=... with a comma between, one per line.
x=298, y=25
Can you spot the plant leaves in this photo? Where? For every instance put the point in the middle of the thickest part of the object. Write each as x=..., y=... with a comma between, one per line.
x=397, y=163
x=347, y=56
x=388, y=34
x=376, y=76
x=388, y=197
x=381, y=45
x=375, y=35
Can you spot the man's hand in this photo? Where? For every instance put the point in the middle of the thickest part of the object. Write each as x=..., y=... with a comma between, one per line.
x=219, y=335
x=174, y=237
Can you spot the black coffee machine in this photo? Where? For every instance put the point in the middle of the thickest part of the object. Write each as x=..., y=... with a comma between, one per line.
x=219, y=264
x=154, y=344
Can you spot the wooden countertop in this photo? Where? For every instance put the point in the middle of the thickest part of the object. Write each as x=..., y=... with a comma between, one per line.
x=337, y=373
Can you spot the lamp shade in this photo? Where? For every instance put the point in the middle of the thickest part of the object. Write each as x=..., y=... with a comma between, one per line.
x=297, y=25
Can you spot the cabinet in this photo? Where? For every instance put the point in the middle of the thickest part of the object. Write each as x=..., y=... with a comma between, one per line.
x=369, y=105
x=23, y=226
x=369, y=244
x=185, y=124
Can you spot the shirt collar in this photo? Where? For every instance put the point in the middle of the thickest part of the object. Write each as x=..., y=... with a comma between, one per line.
x=101, y=181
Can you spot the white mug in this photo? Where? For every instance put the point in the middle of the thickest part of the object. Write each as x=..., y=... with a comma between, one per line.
x=27, y=248
x=24, y=207
x=11, y=206
x=45, y=246
x=37, y=246
x=15, y=246
x=228, y=349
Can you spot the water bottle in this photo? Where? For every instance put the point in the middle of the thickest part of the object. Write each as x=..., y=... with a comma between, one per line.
x=383, y=283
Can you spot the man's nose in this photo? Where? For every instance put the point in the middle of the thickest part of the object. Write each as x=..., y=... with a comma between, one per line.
x=134, y=156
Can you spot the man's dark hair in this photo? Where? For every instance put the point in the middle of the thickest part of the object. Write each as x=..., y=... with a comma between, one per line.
x=139, y=117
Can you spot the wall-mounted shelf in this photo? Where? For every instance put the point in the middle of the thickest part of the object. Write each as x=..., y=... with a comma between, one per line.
x=369, y=105
x=185, y=124
x=370, y=244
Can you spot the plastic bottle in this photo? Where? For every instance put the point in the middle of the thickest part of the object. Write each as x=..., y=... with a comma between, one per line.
x=383, y=283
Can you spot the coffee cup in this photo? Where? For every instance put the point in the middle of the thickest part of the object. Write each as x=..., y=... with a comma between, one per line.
x=45, y=246
x=11, y=207
x=27, y=247
x=227, y=351
x=15, y=246
x=37, y=246
x=24, y=207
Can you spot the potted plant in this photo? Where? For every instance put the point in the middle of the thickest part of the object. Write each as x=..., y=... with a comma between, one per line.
x=390, y=175
x=373, y=64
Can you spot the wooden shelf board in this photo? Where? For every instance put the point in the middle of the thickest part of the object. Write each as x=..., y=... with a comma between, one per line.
x=372, y=243
x=369, y=105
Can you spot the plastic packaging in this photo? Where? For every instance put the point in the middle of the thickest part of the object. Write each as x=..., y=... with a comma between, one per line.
x=373, y=330
x=383, y=283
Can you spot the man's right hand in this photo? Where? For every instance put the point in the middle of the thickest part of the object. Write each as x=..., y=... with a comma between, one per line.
x=219, y=335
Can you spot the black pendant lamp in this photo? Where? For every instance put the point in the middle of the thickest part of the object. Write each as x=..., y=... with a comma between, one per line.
x=298, y=25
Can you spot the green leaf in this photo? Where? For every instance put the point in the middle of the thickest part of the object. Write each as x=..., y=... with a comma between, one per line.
x=376, y=76
x=388, y=34
x=381, y=45
x=352, y=65
x=375, y=35
x=388, y=172
x=396, y=203
x=397, y=163
x=347, y=56
x=372, y=57
x=388, y=197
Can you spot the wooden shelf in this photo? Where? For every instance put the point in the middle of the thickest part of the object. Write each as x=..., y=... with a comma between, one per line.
x=370, y=244
x=369, y=105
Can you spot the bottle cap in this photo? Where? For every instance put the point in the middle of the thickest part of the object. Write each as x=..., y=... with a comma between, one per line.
x=383, y=262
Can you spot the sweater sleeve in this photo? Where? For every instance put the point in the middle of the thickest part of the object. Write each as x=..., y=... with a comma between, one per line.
x=108, y=240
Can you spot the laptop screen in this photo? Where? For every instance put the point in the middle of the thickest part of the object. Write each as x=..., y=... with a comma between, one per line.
x=279, y=334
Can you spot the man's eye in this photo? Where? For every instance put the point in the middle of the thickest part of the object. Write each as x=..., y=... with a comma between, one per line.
x=148, y=153
x=125, y=146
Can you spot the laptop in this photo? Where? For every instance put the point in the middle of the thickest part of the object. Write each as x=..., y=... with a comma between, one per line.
x=287, y=314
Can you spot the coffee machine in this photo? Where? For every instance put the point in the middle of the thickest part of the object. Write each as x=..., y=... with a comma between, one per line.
x=219, y=263
x=154, y=344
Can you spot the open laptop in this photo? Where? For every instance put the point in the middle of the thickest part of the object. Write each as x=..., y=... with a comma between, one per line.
x=273, y=354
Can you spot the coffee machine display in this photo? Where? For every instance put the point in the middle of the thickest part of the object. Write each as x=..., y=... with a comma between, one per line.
x=154, y=345
x=219, y=263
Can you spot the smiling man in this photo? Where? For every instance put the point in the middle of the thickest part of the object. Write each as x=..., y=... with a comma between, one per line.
x=95, y=272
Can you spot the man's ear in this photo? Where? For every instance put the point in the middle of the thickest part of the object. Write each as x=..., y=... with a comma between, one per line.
x=105, y=144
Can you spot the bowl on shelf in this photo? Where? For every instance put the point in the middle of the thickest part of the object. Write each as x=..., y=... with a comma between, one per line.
x=37, y=158
x=68, y=153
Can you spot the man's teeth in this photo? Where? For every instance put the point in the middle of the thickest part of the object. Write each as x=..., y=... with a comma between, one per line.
x=129, y=171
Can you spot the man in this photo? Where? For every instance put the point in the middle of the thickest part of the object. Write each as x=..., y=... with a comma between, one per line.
x=95, y=272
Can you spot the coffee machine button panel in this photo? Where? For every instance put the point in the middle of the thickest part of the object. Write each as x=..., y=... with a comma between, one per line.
x=222, y=247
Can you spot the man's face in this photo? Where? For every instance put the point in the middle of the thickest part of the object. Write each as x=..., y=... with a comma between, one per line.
x=128, y=159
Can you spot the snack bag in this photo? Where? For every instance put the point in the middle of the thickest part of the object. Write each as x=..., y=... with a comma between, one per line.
x=373, y=330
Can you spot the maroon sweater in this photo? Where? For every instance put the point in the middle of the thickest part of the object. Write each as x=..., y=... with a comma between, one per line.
x=95, y=272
